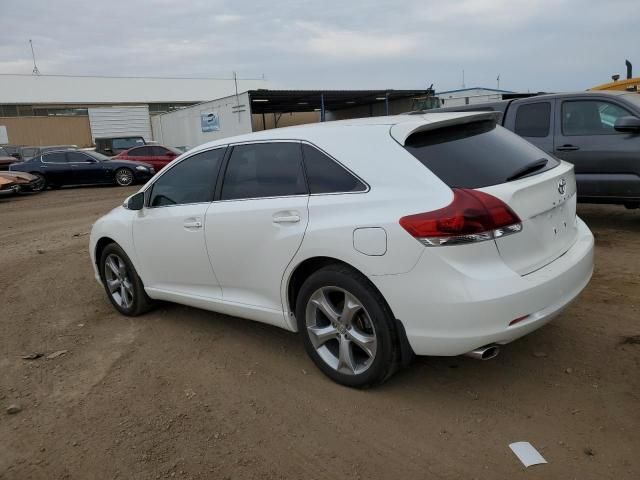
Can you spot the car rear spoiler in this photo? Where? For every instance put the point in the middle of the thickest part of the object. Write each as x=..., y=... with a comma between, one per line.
x=433, y=121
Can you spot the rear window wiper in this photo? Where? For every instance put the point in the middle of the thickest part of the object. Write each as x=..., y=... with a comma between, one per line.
x=528, y=168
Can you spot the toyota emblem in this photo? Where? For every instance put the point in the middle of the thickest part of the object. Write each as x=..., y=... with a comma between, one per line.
x=562, y=186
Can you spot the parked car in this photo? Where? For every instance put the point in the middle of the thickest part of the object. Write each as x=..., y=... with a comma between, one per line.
x=437, y=234
x=78, y=167
x=598, y=132
x=111, y=146
x=25, y=153
x=8, y=186
x=5, y=159
x=157, y=155
x=26, y=182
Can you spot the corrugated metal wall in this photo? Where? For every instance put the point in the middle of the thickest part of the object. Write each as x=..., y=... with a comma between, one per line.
x=48, y=130
x=120, y=121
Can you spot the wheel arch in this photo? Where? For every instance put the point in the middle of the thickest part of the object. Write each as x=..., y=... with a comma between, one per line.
x=99, y=248
x=307, y=267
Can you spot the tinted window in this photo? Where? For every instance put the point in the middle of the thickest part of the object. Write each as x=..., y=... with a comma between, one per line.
x=77, y=157
x=264, y=170
x=140, y=152
x=29, y=152
x=590, y=117
x=127, y=143
x=54, y=157
x=533, y=120
x=325, y=176
x=474, y=155
x=159, y=151
x=190, y=181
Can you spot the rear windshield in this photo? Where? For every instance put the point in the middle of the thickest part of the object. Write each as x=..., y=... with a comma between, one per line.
x=476, y=155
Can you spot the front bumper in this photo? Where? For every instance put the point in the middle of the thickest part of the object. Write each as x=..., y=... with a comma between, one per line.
x=454, y=301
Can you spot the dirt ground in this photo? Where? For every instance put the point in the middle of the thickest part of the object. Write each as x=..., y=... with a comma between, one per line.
x=186, y=393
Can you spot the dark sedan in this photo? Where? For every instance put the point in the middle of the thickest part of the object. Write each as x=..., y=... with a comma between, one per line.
x=79, y=167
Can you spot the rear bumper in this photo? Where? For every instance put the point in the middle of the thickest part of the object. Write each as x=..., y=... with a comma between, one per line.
x=454, y=301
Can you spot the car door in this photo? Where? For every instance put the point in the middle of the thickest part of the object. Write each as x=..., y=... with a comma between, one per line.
x=169, y=232
x=140, y=154
x=56, y=169
x=257, y=223
x=533, y=120
x=606, y=161
x=85, y=169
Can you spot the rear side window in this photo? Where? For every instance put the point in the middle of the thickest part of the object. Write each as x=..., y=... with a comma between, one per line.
x=264, y=170
x=475, y=155
x=55, y=157
x=190, y=181
x=533, y=120
x=140, y=152
x=324, y=175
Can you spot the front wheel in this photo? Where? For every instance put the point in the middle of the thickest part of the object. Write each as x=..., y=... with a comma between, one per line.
x=347, y=327
x=124, y=177
x=40, y=184
x=122, y=283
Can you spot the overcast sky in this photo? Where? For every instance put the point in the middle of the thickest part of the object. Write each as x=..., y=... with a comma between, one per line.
x=536, y=45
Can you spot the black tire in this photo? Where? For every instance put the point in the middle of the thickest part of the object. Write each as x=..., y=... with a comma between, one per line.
x=140, y=301
x=342, y=278
x=42, y=182
x=124, y=177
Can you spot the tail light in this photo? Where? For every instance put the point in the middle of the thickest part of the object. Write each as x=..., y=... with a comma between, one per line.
x=472, y=216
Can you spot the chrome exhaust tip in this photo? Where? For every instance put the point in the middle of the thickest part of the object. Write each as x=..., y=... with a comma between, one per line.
x=484, y=353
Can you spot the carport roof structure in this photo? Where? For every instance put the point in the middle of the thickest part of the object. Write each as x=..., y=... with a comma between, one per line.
x=281, y=101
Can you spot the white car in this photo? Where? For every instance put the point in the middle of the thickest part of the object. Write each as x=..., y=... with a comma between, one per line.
x=376, y=238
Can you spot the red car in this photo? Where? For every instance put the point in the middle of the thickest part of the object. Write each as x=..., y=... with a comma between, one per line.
x=157, y=155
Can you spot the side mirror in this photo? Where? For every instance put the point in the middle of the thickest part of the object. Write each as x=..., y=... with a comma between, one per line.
x=16, y=155
x=629, y=124
x=134, y=202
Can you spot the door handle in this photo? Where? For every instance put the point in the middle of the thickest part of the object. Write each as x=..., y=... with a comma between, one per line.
x=286, y=218
x=192, y=224
x=567, y=148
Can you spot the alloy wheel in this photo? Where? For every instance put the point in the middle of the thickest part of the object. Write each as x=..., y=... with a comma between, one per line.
x=341, y=331
x=118, y=281
x=124, y=177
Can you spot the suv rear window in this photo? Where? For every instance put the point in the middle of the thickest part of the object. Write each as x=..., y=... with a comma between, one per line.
x=475, y=155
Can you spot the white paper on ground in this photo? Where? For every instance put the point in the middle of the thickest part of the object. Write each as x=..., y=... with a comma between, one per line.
x=526, y=453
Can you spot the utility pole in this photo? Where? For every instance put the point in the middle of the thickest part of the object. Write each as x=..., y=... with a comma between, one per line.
x=498, y=81
x=33, y=55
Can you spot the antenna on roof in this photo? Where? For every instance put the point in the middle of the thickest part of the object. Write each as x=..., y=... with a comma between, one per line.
x=463, y=78
x=33, y=55
x=498, y=81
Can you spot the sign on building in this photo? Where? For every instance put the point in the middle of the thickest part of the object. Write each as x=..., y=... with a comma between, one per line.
x=209, y=121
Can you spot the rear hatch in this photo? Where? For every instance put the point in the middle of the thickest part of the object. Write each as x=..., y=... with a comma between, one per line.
x=475, y=153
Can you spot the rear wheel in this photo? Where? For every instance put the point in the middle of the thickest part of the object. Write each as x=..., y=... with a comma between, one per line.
x=124, y=177
x=122, y=283
x=347, y=327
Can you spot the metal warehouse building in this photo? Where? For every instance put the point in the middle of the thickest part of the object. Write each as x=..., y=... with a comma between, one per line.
x=60, y=109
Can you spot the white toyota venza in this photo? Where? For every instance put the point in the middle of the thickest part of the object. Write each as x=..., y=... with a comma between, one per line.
x=375, y=239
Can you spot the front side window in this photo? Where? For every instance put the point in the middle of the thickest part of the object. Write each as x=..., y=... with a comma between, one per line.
x=54, y=157
x=324, y=175
x=264, y=170
x=192, y=180
x=533, y=120
x=590, y=117
x=77, y=157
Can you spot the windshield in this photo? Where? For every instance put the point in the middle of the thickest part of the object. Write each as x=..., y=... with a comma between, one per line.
x=97, y=156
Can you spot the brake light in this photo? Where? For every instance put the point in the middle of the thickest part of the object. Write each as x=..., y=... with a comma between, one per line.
x=472, y=216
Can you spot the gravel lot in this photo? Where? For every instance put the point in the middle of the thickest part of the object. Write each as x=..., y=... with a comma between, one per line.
x=185, y=393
